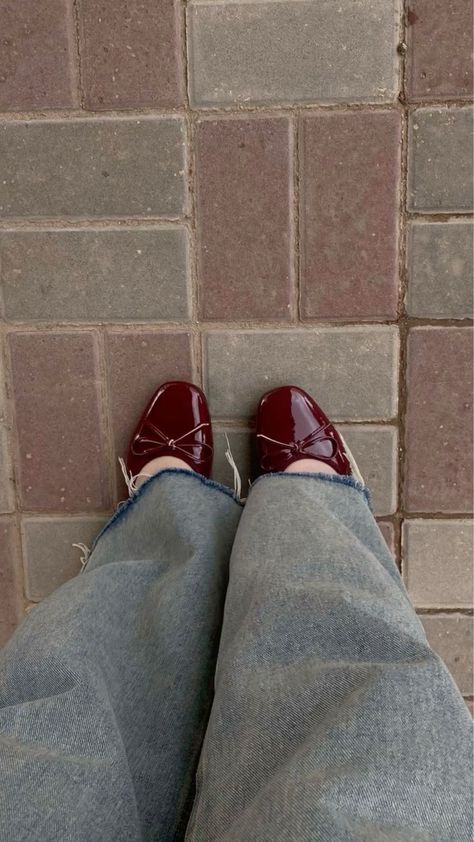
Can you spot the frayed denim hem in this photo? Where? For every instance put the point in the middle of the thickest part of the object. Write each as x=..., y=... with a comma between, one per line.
x=339, y=479
x=123, y=507
x=210, y=483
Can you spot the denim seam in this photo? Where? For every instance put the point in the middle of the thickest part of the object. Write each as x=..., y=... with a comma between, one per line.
x=126, y=504
x=339, y=479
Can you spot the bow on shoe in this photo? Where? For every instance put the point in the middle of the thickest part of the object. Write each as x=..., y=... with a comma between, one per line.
x=300, y=448
x=155, y=441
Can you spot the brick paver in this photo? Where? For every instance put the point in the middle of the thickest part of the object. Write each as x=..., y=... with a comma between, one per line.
x=376, y=452
x=267, y=51
x=243, y=216
x=240, y=194
x=439, y=446
x=334, y=363
x=349, y=214
x=440, y=160
x=440, y=269
x=388, y=531
x=11, y=584
x=439, y=38
x=7, y=500
x=131, y=53
x=38, y=65
x=451, y=636
x=6, y=474
x=96, y=275
x=242, y=445
x=92, y=168
x=62, y=463
x=50, y=557
x=427, y=545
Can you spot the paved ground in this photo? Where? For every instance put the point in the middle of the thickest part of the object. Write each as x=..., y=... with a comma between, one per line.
x=243, y=193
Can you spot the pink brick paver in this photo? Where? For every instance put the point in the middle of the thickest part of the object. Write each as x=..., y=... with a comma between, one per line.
x=439, y=447
x=349, y=214
x=243, y=194
x=62, y=463
x=185, y=193
x=38, y=60
x=131, y=53
x=440, y=43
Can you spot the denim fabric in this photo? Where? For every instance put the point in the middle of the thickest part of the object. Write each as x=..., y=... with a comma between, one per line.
x=332, y=718
x=105, y=689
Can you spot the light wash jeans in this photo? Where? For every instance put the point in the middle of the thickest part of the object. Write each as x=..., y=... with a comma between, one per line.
x=280, y=633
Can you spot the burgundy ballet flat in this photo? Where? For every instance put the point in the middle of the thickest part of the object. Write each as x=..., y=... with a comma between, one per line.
x=177, y=423
x=291, y=426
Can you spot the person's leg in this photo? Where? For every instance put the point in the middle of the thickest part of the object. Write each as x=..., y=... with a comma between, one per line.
x=332, y=718
x=105, y=688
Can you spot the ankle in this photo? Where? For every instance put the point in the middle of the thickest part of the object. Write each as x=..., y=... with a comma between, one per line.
x=162, y=463
x=309, y=466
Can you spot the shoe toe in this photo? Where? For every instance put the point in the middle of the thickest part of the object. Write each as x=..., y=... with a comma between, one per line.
x=177, y=423
x=291, y=426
